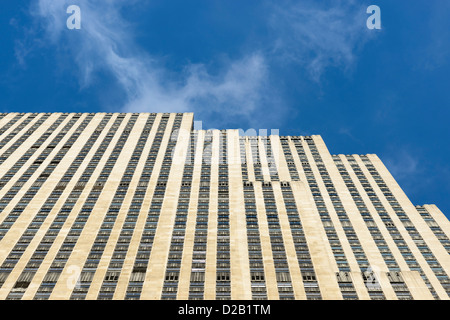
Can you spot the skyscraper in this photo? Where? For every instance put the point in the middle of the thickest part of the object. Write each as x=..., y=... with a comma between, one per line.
x=142, y=206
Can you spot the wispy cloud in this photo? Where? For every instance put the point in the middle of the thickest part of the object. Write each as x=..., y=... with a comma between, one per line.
x=347, y=132
x=105, y=44
x=306, y=34
x=415, y=173
x=402, y=164
x=319, y=35
x=409, y=168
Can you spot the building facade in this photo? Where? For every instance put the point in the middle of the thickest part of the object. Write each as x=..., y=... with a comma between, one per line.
x=141, y=206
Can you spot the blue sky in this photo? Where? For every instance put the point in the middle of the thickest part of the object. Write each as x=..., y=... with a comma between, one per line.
x=303, y=67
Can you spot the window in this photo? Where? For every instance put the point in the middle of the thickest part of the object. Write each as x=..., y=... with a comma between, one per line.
x=112, y=276
x=172, y=276
x=197, y=277
x=223, y=276
x=309, y=276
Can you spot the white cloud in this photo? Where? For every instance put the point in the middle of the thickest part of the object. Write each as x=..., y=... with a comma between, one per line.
x=319, y=36
x=105, y=44
x=402, y=164
x=306, y=34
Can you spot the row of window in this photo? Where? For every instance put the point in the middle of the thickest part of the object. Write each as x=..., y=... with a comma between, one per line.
x=37, y=258
x=134, y=288
x=32, y=191
x=170, y=287
x=434, y=226
x=198, y=267
x=412, y=231
x=18, y=129
x=46, y=288
x=387, y=255
x=347, y=289
x=87, y=273
x=392, y=229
